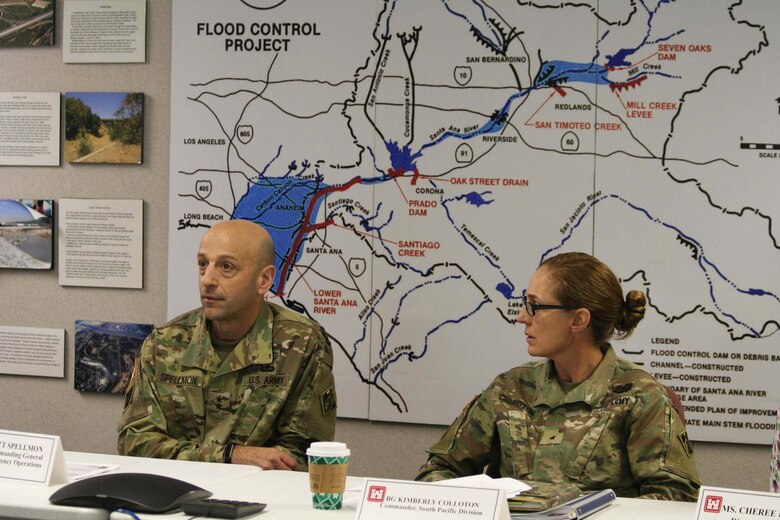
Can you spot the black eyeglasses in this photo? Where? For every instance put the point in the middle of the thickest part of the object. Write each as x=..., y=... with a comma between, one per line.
x=531, y=308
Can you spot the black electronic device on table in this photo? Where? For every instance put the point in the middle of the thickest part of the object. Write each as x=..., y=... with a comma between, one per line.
x=141, y=492
x=219, y=508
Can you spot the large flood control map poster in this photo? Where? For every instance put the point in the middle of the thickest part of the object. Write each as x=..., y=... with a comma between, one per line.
x=415, y=161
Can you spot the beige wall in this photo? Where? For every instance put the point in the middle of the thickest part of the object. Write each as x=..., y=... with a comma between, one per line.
x=87, y=422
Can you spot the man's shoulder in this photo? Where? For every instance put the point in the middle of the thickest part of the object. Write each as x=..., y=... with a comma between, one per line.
x=287, y=320
x=179, y=326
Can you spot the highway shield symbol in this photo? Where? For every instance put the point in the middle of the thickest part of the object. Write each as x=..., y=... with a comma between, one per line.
x=570, y=142
x=462, y=75
x=357, y=266
x=245, y=133
x=464, y=153
x=203, y=189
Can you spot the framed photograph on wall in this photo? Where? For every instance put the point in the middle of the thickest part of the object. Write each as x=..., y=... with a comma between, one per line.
x=27, y=24
x=26, y=240
x=105, y=353
x=104, y=127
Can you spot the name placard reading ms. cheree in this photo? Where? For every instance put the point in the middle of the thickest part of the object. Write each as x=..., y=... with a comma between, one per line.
x=397, y=499
x=736, y=504
x=31, y=458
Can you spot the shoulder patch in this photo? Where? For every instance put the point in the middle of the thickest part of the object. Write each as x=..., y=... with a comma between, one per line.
x=134, y=375
x=328, y=401
x=686, y=443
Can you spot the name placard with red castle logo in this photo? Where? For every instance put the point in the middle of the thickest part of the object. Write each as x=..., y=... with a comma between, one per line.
x=399, y=499
x=736, y=504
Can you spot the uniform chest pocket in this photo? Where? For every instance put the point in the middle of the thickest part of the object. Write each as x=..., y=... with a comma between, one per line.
x=256, y=413
x=599, y=454
x=182, y=405
x=515, y=444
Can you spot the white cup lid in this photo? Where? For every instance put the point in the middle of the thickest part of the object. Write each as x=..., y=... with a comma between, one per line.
x=328, y=449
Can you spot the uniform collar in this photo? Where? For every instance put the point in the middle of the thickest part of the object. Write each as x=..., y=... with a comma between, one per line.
x=254, y=348
x=592, y=390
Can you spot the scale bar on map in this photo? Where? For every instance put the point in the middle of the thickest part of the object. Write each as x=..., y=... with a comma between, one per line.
x=759, y=146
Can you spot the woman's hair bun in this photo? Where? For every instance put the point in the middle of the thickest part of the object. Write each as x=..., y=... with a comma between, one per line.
x=632, y=312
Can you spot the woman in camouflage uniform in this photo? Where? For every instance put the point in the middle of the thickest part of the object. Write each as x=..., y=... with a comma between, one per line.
x=582, y=416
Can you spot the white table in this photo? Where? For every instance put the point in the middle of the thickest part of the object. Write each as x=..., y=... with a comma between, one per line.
x=32, y=501
x=639, y=509
x=286, y=493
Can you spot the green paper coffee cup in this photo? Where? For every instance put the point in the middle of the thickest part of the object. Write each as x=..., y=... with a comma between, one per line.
x=327, y=473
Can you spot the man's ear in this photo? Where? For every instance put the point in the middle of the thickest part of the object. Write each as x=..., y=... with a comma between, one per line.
x=265, y=279
x=581, y=320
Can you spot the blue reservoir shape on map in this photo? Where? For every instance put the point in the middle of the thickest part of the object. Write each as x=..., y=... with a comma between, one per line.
x=279, y=205
x=476, y=199
x=556, y=71
x=402, y=159
x=619, y=58
x=505, y=289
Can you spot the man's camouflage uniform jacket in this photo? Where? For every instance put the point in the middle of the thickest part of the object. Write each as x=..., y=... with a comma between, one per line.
x=274, y=389
x=617, y=429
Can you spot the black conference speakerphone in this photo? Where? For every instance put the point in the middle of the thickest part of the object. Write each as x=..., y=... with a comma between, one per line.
x=149, y=493
x=140, y=492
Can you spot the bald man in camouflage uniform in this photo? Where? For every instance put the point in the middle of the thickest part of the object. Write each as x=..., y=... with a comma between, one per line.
x=238, y=380
x=617, y=429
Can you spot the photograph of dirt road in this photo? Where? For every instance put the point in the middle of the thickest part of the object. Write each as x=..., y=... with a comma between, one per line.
x=104, y=127
x=26, y=234
x=26, y=23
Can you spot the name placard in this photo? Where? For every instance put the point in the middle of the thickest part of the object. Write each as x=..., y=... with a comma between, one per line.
x=736, y=504
x=400, y=499
x=32, y=458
